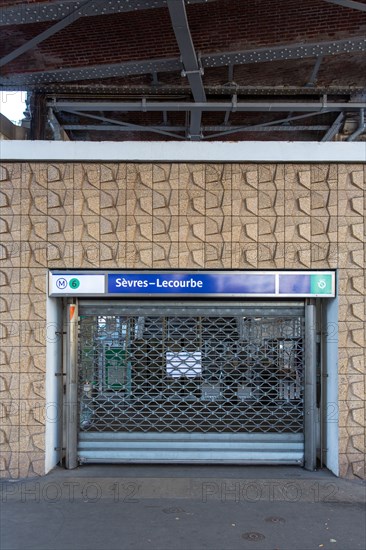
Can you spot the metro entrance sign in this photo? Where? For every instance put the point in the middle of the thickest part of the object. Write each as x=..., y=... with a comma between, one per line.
x=228, y=284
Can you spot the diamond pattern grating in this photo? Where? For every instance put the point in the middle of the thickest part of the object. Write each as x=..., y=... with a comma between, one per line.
x=170, y=373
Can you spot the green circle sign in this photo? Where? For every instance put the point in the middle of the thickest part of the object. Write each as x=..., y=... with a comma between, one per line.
x=74, y=283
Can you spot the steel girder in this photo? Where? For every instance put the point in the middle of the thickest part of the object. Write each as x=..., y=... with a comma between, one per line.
x=213, y=106
x=334, y=128
x=150, y=66
x=65, y=22
x=21, y=14
x=348, y=4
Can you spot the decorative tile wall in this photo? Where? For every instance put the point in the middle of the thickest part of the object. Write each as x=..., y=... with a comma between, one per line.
x=201, y=216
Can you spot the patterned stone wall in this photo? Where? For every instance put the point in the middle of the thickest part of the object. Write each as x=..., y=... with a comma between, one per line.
x=239, y=216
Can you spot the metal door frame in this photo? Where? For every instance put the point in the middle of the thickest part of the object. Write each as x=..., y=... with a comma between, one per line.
x=71, y=405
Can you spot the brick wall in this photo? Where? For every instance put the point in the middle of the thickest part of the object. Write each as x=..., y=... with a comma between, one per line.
x=148, y=34
x=232, y=216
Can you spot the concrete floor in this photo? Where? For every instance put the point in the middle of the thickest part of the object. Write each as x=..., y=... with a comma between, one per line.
x=182, y=507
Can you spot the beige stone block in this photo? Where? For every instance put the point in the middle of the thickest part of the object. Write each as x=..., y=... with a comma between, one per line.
x=166, y=229
x=350, y=229
x=86, y=228
x=34, y=254
x=191, y=255
x=113, y=175
x=271, y=203
x=297, y=230
x=160, y=173
x=213, y=173
x=33, y=280
x=33, y=333
x=351, y=176
x=33, y=359
x=352, y=387
x=10, y=228
x=140, y=176
x=218, y=229
x=324, y=255
x=139, y=255
x=244, y=255
x=60, y=254
x=352, y=308
x=113, y=202
x=9, y=438
x=60, y=202
x=350, y=202
x=139, y=201
x=139, y=228
x=32, y=386
x=9, y=358
x=10, y=254
x=351, y=361
x=352, y=466
x=271, y=229
x=10, y=306
x=32, y=464
x=266, y=174
x=296, y=176
x=192, y=228
x=351, y=255
x=112, y=255
x=245, y=202
x=323, y=176
x=89, y=177
x=351, y=411
x=34, y=201
x=271, y=255
x=9, y=281
x=245, y=230
x=113, y=228
x=31, y=438
x=351, y=334
x=33, y=307
x=9, y=386
x=10, y=201
x=60, y=228
x=109, y=173
x=297, y=201
x=324, y=203
x=351, y=282
x=31, y=412
x=86, y=255
x=165, y=255
x=323, y=229
x=9, y=465
x=218, y=255
x=169, y=202
x=251, y=178
x=33, y=228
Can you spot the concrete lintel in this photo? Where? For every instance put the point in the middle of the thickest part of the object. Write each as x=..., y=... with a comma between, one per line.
x=218, y=151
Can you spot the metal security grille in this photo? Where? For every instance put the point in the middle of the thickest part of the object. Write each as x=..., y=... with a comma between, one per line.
x=175, y=370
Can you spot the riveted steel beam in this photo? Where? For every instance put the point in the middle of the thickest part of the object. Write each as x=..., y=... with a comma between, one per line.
x=334, y=128
x=65, y=22
x=116, y=124
x=348, y=4
x=159, y=129
x=183, y=36
x=21, y=14
x=214, y=106
x=148, y=66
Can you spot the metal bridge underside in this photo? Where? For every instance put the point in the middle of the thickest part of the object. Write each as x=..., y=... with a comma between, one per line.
x=290, y=91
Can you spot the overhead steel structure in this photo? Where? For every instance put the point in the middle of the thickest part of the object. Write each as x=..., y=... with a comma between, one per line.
x=181, y=97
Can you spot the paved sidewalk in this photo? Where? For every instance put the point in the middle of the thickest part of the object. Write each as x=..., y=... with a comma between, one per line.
x=183, y=508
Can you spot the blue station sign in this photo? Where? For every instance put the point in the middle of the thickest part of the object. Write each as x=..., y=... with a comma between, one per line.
x=194, y=284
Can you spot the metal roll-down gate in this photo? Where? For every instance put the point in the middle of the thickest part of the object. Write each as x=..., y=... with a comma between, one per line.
x=191, y=382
